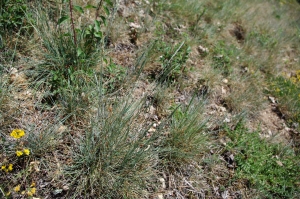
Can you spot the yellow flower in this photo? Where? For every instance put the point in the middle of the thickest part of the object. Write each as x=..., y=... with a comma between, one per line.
x=26, y=151
x=10, y=167
x=17, y=133
x=32, y=184
x=4, y=168
x=293, y=79
x=19, y=153
x=17, y=188
x=31, y=192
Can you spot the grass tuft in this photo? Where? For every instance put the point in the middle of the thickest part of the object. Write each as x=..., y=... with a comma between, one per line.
x=114, y=159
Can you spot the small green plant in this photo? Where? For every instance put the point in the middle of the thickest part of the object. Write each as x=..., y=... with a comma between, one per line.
x=70, y=54
x=15, y=156
x=222, y=57
x=113, y=76
x=21, y=154
x=271, y=168
x=12, y=15
x=286, y=90
x=262, y=38
x=173, y=60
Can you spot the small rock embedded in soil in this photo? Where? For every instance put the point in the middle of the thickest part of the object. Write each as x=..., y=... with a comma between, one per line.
x=225, y=81
x=202, y=50
x=272, y=99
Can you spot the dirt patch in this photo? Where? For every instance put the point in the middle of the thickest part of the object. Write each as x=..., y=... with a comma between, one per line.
x=271, y=126
x=238, y=31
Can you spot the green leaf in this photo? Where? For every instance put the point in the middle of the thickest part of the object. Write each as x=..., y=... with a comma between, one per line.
x=79, y=9
x=105, y=60
x=106, y=10
x=109, y=2
x=104, y=20
x=98, y=34
x=97, y=25
x=79, y=52
x=62, y=19
x=90, y=6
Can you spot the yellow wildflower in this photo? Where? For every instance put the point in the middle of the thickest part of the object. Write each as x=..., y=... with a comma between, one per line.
x=17, y=133
x=4, y=168
x=19, y=153
x=31, y=192
x=7, y=194
x=10, y=167
x=32, y=184
x=298, y=74
x=26, y=151
x=293, y=79
x=17, y=188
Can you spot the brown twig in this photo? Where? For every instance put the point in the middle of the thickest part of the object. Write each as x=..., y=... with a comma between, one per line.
x=72, y=22
x=98, y=9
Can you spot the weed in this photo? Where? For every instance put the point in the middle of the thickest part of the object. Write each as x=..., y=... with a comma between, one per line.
x=271, y=168
x=262, y=38
x=114, y=75
x=287, y=93
x=15, y=157
x=69, y=58
x=222, y=57
x=172, y=60
x=12, y=15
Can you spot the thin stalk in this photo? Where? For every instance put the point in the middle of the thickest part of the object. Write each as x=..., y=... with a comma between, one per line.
x=72, y=22
x=98, y=9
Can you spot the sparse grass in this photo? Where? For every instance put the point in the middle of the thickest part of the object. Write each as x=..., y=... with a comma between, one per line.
x=116, y=109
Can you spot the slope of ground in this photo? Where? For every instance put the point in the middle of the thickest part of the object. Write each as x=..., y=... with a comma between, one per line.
x=150, y=99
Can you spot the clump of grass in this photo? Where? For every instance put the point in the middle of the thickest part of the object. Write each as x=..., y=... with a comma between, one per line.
x=114, y=159
x=69, y=57
x=270, y=168
x=185, y=140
